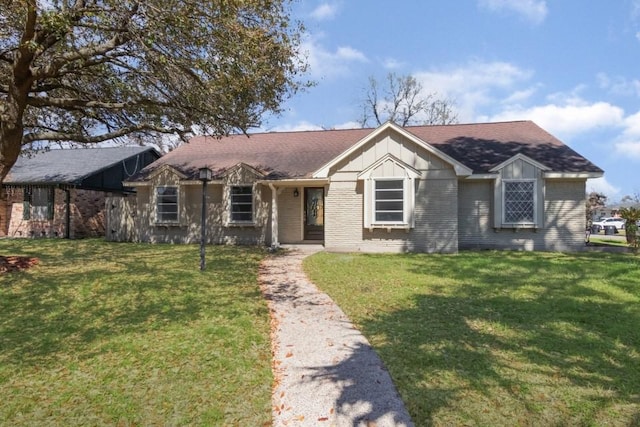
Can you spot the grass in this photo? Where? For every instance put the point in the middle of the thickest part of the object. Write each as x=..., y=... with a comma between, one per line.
x=603, y=240
x=499, y=338
x=127, y=334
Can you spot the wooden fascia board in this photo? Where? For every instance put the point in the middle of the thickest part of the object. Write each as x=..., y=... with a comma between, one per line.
x=293, y=182
x=481, y=176
x=573, y=175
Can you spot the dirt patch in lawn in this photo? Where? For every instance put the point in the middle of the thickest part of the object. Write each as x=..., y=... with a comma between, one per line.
x=16, y=263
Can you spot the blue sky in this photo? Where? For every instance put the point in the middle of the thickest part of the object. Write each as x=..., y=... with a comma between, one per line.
x=571, y=66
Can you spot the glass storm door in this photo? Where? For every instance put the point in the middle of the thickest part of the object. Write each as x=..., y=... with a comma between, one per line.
x=314, y=213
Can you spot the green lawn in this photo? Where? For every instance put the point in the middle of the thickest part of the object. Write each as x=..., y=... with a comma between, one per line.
x=127, y=334
x=499, y=338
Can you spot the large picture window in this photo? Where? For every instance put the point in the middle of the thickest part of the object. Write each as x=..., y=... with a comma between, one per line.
x=519, y=202
x=167, y=204
x=241, y=203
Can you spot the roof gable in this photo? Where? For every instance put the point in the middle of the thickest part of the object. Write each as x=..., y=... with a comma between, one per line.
x=167, y=169
x=389, y=159
x=459, y=168
x=517, y=157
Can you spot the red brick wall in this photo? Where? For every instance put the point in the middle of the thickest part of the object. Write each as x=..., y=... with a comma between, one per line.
x=87, y=215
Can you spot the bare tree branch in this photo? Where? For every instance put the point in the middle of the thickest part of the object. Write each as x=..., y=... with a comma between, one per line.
x=404, y=103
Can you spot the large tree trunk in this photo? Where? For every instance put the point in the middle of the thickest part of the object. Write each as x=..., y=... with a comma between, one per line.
x=12, y=110
x=10, y=144
x=11, y=129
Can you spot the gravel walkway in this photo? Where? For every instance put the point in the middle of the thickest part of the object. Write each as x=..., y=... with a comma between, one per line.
x=325, y=371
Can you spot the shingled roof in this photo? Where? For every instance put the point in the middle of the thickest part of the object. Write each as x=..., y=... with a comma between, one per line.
x=68, y=166
x=299, y=154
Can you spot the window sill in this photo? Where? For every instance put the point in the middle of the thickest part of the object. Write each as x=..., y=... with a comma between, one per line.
x=167, y=224
x=241, y=224
x=516, y=227
x=389, y=227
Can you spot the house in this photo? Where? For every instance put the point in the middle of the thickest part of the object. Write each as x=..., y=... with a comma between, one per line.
x=505, y=185
x=61, y=193
x=613, y=210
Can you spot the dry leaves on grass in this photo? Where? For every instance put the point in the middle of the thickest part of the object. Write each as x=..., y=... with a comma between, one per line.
x=16, y=263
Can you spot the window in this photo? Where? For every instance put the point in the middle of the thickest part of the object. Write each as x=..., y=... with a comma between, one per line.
x=38, y=203
x=519, y=202
x=167, y=204
x=241, y=203
x=389, y=201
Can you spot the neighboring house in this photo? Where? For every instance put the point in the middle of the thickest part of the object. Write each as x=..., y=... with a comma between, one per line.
x=390, y=189
x=613, y=210
x=61, y=193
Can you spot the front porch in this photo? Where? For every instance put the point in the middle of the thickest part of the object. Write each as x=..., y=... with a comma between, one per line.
x=297, y=212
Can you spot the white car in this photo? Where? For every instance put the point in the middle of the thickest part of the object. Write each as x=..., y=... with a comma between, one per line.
x=618, y=223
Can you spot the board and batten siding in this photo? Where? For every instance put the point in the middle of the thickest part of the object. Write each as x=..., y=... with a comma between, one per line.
x=563, y=219
x=436, y=204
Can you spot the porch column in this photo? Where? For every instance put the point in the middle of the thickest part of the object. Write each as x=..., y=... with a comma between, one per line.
x=274, y=217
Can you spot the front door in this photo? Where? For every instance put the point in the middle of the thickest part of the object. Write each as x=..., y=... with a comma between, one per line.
x=314, y=213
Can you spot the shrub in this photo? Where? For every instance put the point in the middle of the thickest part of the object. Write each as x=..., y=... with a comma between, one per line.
x=631, y=216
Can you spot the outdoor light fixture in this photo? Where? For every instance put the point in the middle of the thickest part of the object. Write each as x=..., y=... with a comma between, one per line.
x=295, y=193
x=204, y=176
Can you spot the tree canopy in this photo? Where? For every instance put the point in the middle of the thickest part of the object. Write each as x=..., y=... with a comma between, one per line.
x=93, y=70
x=401, y=99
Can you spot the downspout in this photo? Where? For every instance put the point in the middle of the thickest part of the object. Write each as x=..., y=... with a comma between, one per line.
x=274, y=217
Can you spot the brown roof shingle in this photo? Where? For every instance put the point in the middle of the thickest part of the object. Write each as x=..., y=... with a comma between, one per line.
x=299, y=154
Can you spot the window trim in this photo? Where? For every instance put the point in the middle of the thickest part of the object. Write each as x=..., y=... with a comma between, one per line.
x=157, y=218
x=408, y=203
x=533, y=223
x=230, y=212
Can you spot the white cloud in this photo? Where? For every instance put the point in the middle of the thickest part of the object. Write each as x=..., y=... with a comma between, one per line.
x=628, y=144
x=326, y=64
x=324, y=11
x=473, y=85
x=348, y=125
x=618, y=85
x=635, y=9
x=534, y=11
x=601, y=185
x=520, y=96
x=567, y=120
x=350, y=54
x=295, y=127
x=392, y=63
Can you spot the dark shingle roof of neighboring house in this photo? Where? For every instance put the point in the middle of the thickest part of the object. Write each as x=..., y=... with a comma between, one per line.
x=299, y=154
x=73, y=166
